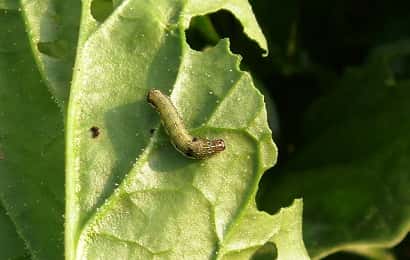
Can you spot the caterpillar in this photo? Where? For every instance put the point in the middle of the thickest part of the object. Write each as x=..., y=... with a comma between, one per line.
x=192, y=147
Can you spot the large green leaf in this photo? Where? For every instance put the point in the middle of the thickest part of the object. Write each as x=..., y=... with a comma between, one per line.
x=31, y=143
x=354, y=175
x=130, y=193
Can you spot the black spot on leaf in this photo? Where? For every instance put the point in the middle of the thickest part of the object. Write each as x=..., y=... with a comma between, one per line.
x=95, y=131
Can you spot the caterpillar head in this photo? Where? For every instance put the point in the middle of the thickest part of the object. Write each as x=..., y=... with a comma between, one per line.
x=200, y=148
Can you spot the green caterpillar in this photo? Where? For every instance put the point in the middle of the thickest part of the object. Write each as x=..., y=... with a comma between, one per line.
x=192, y=147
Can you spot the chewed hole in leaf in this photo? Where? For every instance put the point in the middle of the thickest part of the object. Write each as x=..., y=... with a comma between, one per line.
x=201, y=33
x=56, y=49
x=205, y=31
x=101, y=9
x=262, y=202
x=267, y=251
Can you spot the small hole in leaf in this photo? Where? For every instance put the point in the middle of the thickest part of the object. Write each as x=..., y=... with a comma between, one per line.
x=152, y=131
x=206, y=31
x=56, y=49
x=201, y=33
x=267, y=251
x=95, y=131
x=101, y=9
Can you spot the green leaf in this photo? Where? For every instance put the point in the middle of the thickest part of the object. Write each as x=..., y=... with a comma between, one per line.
x=354, y=173
x=31, y=143
x=130, y=193
x=11, y=244
x=52, y=28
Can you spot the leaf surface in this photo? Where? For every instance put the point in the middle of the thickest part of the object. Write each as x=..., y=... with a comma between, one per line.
x=129, y=192
x=52, y=29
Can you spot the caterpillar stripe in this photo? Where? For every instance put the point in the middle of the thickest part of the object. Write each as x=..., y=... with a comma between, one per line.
x=192, y=147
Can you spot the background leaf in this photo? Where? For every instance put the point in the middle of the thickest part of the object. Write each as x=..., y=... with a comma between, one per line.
x=31, y=141
x=358, y=156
